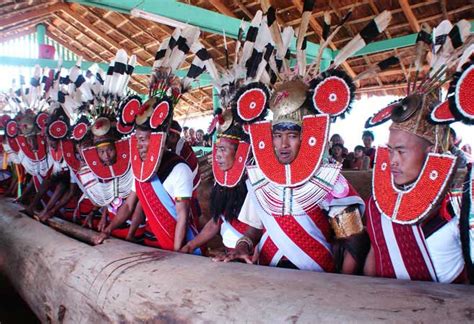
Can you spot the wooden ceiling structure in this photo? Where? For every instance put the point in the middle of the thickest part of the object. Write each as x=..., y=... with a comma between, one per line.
x=96, y=32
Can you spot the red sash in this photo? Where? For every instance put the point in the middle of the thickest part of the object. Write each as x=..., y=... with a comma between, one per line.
x=162, y=223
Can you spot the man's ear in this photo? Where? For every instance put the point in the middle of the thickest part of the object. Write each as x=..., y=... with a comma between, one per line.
x=430, y=149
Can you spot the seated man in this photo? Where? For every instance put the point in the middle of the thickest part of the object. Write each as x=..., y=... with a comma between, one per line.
x=414, y=231
x=164, y=198
x=290, y=224
x=229, y=191
x=177, y=144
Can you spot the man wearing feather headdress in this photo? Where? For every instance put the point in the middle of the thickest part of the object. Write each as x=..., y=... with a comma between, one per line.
x=163, y=182
x=414, y=216
x=301, y=211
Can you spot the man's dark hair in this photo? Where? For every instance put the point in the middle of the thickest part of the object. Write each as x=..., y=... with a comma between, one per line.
x=338, y=145
x=368, y=133
x=185, y=128
x=200, y=131
x=359, y=147
x=175, y=125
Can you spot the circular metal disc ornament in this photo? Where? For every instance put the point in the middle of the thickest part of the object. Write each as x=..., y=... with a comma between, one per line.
x=101, y=126
x=407, y=108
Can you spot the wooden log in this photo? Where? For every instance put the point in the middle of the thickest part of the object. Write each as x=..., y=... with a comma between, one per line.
x=66, y=280
x=74, y=230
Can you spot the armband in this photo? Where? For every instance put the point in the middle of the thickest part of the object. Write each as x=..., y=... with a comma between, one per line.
x=347, y=223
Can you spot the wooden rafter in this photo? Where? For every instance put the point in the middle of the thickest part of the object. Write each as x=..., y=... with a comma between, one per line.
x=147, y=62
x=30, y=14
x=98, y=33
x=388, y=34
x=6, y=38
x=410, y=16
x=222, y=8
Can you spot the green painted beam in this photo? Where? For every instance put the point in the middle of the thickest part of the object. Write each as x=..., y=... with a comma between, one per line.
x=40, y=33
x=215, y=23
x=204, y=80
x=392, y=43
x=206, y=20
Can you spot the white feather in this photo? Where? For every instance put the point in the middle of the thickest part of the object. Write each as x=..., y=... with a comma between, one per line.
x=248, y=45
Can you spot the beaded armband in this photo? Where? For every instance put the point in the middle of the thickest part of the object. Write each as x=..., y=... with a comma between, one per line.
x=247, y=241
x=347, y=223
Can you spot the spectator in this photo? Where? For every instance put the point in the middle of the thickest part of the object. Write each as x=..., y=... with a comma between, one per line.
x=337, y=152
x=207, y=140
x=369, y=150
x=186, y=133
x=199, y=137
x=337, y=139
x=360, y=160
x=192, y=137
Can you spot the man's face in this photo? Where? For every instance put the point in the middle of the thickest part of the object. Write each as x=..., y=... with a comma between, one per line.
x=171, y=140
x=286, y=144
x=225, y=154
x=358, y=153
x=367, y=141
x=107, y=153
x=407, y=156
x=199, y=136
x=143, y=140
x=337, y=151
x=191, y=132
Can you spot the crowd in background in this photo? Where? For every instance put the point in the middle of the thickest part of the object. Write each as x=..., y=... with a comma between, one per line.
x=363, y=156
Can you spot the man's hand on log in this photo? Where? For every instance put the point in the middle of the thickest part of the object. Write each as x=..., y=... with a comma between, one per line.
x=241, y=252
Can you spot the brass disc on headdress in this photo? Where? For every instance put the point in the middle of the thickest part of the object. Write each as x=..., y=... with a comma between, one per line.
x=407, y=107
x=228, y=120
x=288, y=97
x=146, y=111
x=101, y=126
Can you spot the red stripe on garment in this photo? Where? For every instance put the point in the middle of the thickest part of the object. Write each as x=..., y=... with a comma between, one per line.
x=162, y=224
x=383, y=263
x=321, y=221
x=312, y=247
x=267, y=252
x=411, y=253
x=239, y=226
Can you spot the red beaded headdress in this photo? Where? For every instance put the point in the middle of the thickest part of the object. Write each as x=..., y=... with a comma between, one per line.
x=165, y=91
x=305, y=96
x=421, y=114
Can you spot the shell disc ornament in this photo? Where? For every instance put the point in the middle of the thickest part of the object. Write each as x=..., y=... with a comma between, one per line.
x=58, y=129
x=41, y=120
x=160, y=113
x=130, y=109
x=11, y=128
x=332, y=93
x=251, y=103
x=441, y=114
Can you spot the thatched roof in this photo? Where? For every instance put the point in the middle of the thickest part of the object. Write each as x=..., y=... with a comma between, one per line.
x=96, y=33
